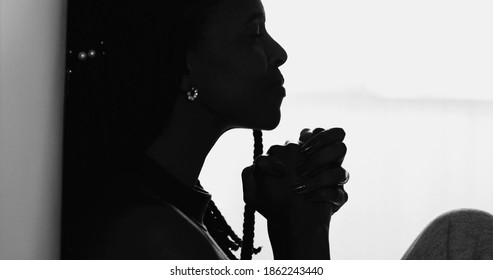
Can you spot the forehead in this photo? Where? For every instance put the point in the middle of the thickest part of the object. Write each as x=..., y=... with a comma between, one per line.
x=230, y=16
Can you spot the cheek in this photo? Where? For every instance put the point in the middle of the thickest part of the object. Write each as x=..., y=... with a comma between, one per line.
x=234, y=88
x=243, y=68
x=238, y=75
x=242, y=79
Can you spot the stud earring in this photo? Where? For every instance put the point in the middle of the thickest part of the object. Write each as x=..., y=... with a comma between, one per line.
x=192, y=94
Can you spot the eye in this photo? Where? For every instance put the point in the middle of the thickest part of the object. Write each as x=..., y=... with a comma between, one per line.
x=254, y=33
x=258, y=33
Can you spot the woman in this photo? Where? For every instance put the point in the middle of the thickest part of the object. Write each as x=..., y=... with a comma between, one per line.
x=166, y=80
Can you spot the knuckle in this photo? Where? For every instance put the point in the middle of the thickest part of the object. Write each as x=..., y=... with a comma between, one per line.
x=341, y=172
x=291, y=145
x=343, y=148
x=305, y=135
x=318, y=130
x=341, y=197
x=262, y=163
x=259, y=160
x=292, y=142
x=246, y=171
x=305, y=131
x=275, y=149
x=339, y=132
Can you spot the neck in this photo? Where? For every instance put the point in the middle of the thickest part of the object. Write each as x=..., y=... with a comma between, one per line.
x=187, y=140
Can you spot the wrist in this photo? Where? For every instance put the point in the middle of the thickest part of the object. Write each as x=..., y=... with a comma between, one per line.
x=300, y=242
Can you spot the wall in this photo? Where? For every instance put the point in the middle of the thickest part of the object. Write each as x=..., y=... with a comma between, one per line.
x=32, y=55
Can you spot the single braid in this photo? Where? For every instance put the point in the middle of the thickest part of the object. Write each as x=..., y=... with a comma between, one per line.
x=258, y=145
x=248, y=248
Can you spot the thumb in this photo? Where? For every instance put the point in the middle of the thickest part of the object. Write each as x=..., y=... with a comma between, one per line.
x=249, y=185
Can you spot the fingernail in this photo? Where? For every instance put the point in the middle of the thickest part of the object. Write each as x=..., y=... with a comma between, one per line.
x=299, y=188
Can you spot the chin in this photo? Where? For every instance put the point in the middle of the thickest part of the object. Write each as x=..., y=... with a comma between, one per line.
x=262, y=121
x=269, y=123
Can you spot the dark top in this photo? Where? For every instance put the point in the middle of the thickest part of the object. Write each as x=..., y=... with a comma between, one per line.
x=146, y=213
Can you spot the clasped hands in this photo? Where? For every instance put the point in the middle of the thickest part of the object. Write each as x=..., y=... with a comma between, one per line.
x=299, y=184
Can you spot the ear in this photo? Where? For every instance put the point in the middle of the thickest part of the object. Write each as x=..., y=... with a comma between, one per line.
x=187, y=80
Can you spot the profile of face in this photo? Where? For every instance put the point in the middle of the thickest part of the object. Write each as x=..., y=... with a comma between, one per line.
x=236, y=67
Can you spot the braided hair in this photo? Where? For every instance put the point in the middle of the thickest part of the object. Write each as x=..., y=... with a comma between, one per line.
x=220, y=230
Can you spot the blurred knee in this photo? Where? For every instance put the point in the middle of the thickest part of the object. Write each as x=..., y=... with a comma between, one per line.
x=465, y=217
x=457, y=234
x=464, y=226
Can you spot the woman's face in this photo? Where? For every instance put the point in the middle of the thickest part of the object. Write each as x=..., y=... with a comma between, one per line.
x=236, y=67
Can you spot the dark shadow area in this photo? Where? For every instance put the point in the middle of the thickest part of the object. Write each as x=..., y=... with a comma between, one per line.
x=81, y=164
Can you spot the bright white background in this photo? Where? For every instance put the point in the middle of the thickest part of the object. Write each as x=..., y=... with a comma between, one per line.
x=411, y=82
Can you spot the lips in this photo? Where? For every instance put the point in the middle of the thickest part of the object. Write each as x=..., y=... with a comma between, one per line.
x=280, y=81
x=277, y=80
x=281, y=91
x=277, y=85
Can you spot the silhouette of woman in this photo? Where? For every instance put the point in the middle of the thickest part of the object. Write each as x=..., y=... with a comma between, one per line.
x=152, y=85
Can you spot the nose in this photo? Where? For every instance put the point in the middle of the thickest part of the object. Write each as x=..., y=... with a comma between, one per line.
x=277, y=54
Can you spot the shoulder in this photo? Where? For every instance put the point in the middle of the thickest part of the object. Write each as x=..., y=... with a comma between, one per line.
x=155, y=232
